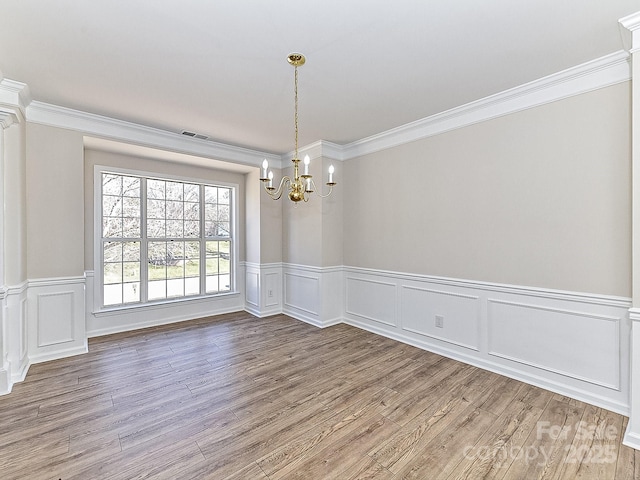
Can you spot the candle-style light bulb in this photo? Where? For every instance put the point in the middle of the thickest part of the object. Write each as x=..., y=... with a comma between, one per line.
x=270, y=179
x=331, y=170
x=265, y=167
x=306, y=164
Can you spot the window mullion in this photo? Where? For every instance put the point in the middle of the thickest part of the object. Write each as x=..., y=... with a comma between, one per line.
x=144, y=250
x=203, y=244
x=230, y=240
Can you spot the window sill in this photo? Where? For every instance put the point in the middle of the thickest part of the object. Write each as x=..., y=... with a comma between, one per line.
x=106, y=311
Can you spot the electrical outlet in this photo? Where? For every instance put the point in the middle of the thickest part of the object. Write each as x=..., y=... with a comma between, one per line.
x=439, y=321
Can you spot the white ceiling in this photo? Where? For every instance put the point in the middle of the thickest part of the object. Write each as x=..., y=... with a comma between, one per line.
x=219, y=67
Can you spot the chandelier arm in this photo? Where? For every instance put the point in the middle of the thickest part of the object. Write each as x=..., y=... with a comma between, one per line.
x=299, y=187
x=317, y=192
x=280, y=190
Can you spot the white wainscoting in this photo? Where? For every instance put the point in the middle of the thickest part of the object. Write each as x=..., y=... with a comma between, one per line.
x=263, y=289
x=14, y=360
x=313, y=294
x=551, y=333
x=252, y=289
x=372, y=300
x=332, y=295
x=301, y=293
x=131, y=318
x=17, y=332
x=632, y=434
x=56, y=318
x=459, y=315
x=569, y=343
x=5, y=371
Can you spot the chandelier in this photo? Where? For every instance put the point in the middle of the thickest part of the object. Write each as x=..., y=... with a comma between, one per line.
x=300, y=187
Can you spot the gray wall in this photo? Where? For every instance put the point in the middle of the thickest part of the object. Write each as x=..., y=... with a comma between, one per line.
x=55, y=202
x=59, y=190
x=313, y=231
x=539, y=198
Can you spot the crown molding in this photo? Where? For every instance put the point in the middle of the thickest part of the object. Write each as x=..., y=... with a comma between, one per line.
x=114, y=129
x=318, y=149
x=15, y=94
x=632, y=23
x=602, y=72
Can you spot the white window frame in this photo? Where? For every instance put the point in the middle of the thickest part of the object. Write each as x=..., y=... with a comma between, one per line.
x=98, y=260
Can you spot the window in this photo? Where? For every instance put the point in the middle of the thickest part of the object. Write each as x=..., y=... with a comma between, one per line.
x=163, y=239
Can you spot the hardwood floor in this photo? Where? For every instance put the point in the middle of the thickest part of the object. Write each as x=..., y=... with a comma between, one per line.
x=237, y=397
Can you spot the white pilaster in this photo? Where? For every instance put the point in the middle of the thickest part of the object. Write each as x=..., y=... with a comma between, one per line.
x=263, y=289
x=13, y=305
x=632, y=435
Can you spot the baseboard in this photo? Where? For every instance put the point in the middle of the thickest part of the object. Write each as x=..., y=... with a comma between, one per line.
x=63, y=353
x=14, y=358
x=8, y=379
x=312, y=320
x=631, y=439
x=267, y=312
x=5, y=382
x=536, y=380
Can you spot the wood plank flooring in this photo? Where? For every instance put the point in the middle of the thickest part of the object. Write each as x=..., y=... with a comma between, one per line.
x=237, y=397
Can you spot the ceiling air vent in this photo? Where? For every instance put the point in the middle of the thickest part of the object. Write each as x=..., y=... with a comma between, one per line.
x=194, y=135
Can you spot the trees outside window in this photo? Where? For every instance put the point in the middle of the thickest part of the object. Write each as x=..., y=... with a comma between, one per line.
x=163, y=239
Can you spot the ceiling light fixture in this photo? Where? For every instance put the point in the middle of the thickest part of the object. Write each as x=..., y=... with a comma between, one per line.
x=300, y=186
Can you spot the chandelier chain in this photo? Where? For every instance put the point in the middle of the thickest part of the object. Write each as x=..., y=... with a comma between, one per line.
x=299, y=186
x=296, y=108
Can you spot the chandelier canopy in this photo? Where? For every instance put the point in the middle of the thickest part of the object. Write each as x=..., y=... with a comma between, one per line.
x=299, y=186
